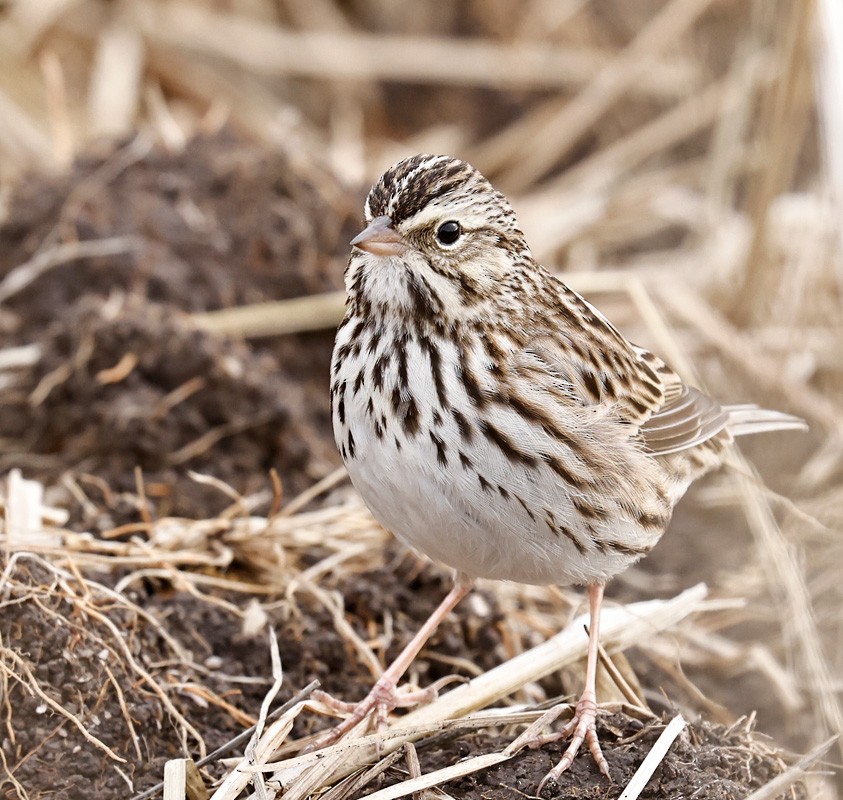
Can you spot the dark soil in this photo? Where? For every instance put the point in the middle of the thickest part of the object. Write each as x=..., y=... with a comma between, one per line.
x=706, y=762
x=125, y=382
x=221, y=224
x=70, y=651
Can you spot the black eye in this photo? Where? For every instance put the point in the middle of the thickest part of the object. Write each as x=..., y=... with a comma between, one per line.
x=448, y=232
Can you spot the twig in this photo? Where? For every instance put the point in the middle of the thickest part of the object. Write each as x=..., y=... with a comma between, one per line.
x=312, y=313
x=781, y=782
x=24, y=274
x=652, y=760
x=309, y=495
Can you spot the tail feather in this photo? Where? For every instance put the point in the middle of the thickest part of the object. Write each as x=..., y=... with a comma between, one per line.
x=747, y=418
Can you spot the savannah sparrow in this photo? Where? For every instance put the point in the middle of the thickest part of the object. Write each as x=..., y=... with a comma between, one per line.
x=494, y=419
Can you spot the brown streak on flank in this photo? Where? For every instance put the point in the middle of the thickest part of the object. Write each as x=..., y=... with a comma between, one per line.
x=588, y=510
x=342, y=352
x=506, y=445
x=530, y=514
x=539, y=416
x=625, y=549
x=650, y=520
x=401, y=352
x=441, y=449
x=569, y=534
x=372, y=344
x=555, y=463
x=354, y=334
x=472, y=387
x=493, y=349
x=466, y=431
x=592, y=355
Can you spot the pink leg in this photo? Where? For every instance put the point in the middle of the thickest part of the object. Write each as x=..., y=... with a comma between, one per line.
x=384, y=696
x=582, y=726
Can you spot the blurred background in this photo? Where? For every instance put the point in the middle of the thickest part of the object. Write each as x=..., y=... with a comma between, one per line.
x=680, y=161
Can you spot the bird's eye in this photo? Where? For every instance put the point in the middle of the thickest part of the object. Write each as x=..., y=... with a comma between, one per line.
x=448, y=232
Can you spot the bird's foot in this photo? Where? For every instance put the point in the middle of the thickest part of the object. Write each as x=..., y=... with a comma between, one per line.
x=581, y=728
x=382, y=699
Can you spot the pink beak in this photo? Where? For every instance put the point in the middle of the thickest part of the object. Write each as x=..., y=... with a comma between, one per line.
x=380, y=238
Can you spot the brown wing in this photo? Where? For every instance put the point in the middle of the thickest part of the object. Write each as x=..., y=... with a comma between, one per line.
x=636, y=385
x=687, y=416
x=669, y=415
x=689, y=420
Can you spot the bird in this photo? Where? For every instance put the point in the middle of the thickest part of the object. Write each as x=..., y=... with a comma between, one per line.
x=494, y=420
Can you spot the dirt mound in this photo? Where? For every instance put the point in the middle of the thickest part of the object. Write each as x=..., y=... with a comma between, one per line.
x=129, y=384
x=123, y=379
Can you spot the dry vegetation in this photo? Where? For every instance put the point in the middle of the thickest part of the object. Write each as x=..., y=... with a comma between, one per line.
x=680, y=160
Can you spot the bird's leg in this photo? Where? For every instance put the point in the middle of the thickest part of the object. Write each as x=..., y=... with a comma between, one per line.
x=582, y=726
x=384, y=695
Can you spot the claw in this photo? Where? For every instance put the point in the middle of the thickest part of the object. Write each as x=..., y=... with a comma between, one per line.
x=581, y=728
x=383, y=698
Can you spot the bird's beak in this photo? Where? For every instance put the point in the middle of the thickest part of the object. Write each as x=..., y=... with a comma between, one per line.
x=380, y=238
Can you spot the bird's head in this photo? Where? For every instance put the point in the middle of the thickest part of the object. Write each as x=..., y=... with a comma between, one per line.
x=436, y=232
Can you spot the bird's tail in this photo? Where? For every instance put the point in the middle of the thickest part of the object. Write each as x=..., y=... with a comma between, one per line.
x=748, y=418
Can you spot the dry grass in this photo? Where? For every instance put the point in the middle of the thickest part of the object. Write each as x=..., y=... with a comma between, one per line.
x=681, y=160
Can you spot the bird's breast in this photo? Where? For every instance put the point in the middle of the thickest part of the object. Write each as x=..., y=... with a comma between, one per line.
x=453, y=469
